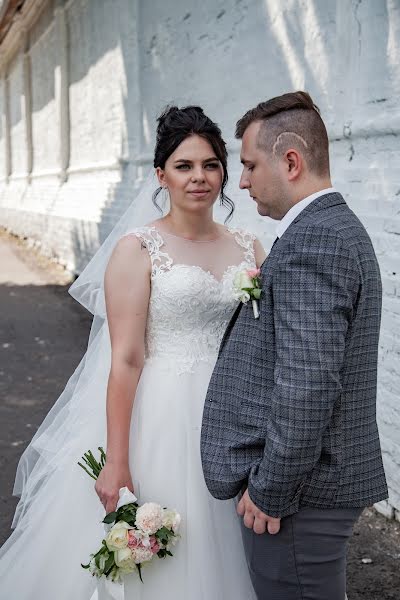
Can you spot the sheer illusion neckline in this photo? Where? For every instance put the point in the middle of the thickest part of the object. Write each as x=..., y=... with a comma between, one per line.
x=215, y=259
x=209, y=273
x=180, y=237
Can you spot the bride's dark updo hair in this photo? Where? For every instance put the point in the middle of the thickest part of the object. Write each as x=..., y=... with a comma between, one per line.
x=174, y=126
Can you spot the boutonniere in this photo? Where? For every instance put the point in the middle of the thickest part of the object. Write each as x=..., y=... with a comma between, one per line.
x=247, y=286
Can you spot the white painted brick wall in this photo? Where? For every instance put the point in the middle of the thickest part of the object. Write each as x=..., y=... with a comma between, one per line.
x=18, y=155
x=128, y=59
x=45, y=138
x=2, y=133
x=97, y=82
x=371, y=186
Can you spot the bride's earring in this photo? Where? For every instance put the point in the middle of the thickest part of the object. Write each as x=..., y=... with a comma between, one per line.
x=165, y=199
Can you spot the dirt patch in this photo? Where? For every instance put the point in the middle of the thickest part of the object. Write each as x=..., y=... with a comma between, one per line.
x=374, y=559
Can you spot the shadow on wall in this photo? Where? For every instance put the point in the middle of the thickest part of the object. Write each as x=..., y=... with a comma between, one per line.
x=313, y=46
x=149, y=88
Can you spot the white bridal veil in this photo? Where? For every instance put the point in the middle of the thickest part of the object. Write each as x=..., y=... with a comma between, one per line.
x=57, y=523
x=77, y=420
x=59, y=439
x=48, y=471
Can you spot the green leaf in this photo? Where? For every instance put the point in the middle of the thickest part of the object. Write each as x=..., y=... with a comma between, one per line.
x=127, y=513
x=110, y=518
x=85, y=566
x=139, y=568
x=110, y=562
x=163, y=532
x=256, y=293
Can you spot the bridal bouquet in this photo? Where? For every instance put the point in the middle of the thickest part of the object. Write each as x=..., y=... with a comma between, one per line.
x=136, y=535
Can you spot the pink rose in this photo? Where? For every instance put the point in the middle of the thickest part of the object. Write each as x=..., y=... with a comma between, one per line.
x=154, y=545
x=133, y=542
x=253, y=273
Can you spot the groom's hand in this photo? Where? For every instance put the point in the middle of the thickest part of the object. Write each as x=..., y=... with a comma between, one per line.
x=254, y=518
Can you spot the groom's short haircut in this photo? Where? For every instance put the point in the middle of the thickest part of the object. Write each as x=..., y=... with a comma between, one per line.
x=290, y=121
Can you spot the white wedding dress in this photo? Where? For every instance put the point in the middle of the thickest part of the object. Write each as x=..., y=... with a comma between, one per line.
x=190, y=306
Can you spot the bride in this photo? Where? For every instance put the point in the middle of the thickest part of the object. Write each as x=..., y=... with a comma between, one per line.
x=162, y=296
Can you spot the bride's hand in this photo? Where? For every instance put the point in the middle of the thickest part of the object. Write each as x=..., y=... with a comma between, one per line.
x=112, y=477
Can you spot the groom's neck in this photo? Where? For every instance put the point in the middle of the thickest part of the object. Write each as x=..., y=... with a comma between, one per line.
x=309, y=187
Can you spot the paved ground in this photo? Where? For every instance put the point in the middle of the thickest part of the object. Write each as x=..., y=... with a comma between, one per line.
x=43, y=334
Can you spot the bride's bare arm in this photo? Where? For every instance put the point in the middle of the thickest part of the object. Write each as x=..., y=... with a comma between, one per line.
x=259, y=252
x=127, y=293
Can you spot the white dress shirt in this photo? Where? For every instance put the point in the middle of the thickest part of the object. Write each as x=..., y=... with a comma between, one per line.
x=297, y=209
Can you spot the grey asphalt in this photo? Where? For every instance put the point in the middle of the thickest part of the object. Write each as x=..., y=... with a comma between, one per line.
x=43, y=334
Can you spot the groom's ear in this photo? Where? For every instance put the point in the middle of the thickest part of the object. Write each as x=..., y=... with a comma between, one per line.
x=294, y=163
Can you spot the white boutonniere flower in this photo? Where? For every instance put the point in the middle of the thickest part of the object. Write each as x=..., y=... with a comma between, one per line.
x=247, y=286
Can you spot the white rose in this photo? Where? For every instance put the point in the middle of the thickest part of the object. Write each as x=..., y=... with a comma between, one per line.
x=149, y=517
x=140, y=555
x=242, y=280
x=171, y=520
x=93, y=568
x=176, y=523
x=242, y=296
x=124, y=560
x=117, y=537
x=168, y=518
x=172, y=542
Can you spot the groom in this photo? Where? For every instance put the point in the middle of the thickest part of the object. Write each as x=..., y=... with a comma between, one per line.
x=289, y=418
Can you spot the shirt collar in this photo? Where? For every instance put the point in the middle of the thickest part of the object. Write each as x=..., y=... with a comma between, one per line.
x=298, y=208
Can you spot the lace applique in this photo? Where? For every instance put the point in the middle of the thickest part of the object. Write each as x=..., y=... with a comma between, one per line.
x=189, y=307
x=246, y=240
x=152, y=240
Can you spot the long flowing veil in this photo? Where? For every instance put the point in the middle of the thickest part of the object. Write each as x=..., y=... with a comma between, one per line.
x=78, y=416
x=56, y=441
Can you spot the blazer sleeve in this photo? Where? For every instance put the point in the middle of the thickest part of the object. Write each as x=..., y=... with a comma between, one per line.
x=314, y=289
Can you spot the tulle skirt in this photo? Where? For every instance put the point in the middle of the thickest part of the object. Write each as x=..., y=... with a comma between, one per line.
x=62, y=524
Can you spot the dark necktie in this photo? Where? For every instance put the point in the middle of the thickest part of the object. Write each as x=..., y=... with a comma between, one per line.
x=275, y=240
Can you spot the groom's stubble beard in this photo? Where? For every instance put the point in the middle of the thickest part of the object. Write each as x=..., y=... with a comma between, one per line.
x=273, y=201
x=270, y=188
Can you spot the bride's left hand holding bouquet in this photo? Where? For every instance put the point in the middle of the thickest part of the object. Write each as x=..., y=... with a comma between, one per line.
x=137, y=533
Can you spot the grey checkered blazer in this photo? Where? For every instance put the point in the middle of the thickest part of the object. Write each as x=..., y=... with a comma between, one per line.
x=291, y=406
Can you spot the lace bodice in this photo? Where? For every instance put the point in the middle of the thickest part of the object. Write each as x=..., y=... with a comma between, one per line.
x=190, y=306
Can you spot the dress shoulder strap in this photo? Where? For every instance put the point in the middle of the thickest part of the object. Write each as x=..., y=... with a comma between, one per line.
x=153, y=242
x=245, y=239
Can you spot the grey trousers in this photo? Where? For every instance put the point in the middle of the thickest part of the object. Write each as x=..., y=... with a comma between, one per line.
x=306, y=560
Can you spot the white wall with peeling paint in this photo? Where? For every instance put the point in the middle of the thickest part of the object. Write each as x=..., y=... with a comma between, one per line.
x=128, y=59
